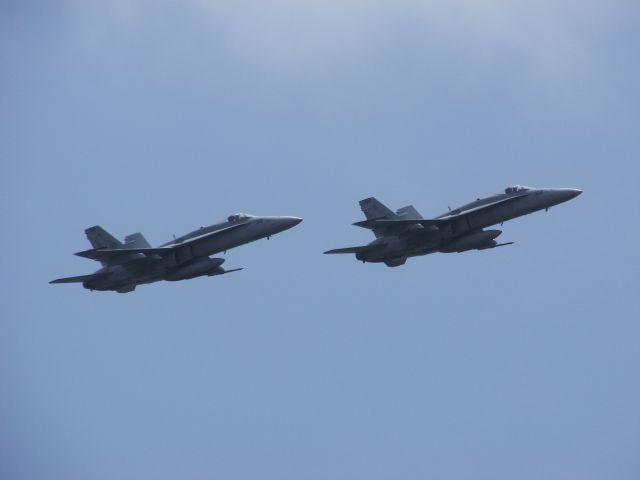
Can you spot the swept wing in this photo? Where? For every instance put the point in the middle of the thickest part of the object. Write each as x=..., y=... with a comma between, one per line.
x=444, y=220
x=78, y=279
x=360, y=249
x=113, y=254
x=120, y=253
x=391, y=223
x=482, y=207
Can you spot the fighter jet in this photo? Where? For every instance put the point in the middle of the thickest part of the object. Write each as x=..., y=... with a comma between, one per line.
x=135, y=262
x=405, y=233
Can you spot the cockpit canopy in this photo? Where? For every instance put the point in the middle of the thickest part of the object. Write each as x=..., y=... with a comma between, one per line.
x=238, y=217
x=516, y=188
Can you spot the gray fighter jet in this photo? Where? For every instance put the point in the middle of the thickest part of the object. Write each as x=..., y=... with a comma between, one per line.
x=134, y=262
x=405, y=233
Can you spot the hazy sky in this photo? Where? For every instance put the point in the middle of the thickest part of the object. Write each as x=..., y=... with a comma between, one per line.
x=161, y=116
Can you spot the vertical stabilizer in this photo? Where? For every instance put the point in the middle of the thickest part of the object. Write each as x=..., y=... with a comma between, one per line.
x=100, y=238
x=373, y=209
x=136, y=240
x=409, y=213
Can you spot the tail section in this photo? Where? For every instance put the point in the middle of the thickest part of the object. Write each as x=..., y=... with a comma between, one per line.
x=374, y=209
x=409, y=213
x=100, y=238
x=382, y=221
x=136, y=240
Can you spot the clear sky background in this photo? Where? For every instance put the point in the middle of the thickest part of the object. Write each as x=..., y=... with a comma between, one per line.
x=161, y=116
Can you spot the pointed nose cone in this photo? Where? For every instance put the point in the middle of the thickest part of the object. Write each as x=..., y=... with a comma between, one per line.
x=569, y=193
x=290, y=222
x=556, y=196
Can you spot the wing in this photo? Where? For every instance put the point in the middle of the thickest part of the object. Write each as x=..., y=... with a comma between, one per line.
x=347, y=250
x=360, y=249
x=78, y=279
x=112, y=254
x=440, y=221
x=401, y=223
x=482, y=207
x=115, y=254
x=215, y=233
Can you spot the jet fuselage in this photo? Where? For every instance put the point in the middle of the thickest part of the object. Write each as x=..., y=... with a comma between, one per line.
x=457, y=230
x=127, y=265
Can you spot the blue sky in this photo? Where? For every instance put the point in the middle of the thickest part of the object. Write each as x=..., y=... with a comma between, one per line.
x=163, y=116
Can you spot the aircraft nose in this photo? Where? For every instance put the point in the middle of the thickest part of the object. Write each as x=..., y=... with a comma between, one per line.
x=290, y=222
x=569, y=193
x=556, y=196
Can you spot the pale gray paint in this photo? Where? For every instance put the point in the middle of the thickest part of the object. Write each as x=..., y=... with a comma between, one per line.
x=405, y=234
x=134, y=262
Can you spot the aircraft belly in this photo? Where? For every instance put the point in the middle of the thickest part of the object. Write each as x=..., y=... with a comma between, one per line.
x=123, y=277
x=462, y=225
x=423, y=242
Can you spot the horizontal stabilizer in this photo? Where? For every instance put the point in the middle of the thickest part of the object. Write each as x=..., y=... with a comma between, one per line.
x=365, y=224
x=79, y=279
